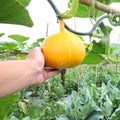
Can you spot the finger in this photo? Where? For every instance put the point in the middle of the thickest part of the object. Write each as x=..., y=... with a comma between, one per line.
x=50, y=73
x=35, y=52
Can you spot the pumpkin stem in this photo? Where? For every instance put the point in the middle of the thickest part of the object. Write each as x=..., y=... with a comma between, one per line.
x=63, y=71
x=61, y=21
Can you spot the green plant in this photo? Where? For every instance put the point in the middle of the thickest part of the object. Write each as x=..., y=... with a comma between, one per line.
x=90, y=91
x=8, y=104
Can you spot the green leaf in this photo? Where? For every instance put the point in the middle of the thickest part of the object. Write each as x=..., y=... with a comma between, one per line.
x=96, y=116
x=82, y=11
x=109, y=29
x=93, y=92
x=23, y=107
x=24, y=3
x=105, y=1
x=75, y=114
x=93, y=59
x=27, y=118
x=101, y=47
x=37, y=42
x=1, y=34
x=88, y=109
x=7, y=104
x=108, y=106
x=115, y=94
x=13, y=118
x=63, y=118
x=115, y=0
x=12, y=12
x=71, y=12
x=2, y=48
x=98, y=48
x=105, y=43
x=116, y=114
x=74, y=96
x=18, y=38
x=8, y=45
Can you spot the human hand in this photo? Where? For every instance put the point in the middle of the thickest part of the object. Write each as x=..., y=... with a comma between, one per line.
x=43, y=73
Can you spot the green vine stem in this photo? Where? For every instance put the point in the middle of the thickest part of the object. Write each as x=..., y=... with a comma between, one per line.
x=76, y=32
x=111, y=59
x=114, y=19
x=114, y=60
x=71, y=12
x=92, y=30
x=92, y=9
x=107, y=44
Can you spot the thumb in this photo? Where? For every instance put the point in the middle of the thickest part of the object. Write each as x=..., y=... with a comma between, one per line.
x=37, y=55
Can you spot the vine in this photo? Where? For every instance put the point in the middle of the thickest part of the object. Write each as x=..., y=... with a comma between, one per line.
x=114, y=19
x=76, y=32
x=71, y=12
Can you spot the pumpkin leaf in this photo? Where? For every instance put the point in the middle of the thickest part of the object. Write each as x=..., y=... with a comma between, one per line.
x=8, y=45
x=98, y=48
x=1, y=34
x=12, y=12
x=84, y=11
x=24, y=3
x=18, y=38
x=37, y=42
x=93, y=59
x=116, y=1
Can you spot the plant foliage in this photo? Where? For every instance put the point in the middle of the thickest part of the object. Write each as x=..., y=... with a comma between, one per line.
x=91, y=91
x=13, y=12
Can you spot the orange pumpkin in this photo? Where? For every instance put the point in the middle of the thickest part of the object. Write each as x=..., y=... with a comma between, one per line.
x=63, y=50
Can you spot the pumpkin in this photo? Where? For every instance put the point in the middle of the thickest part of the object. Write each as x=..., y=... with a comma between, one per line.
x=63, y=50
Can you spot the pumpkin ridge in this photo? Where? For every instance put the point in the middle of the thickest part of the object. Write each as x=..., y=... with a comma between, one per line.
x=63, y=50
